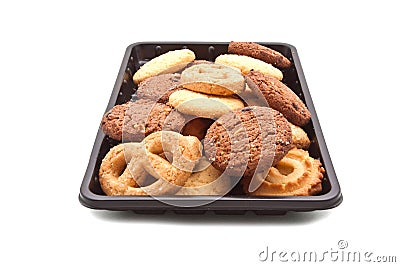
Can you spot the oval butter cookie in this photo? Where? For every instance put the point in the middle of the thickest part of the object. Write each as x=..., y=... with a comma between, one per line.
x=213, y=79
x=170, y=62
x=245, y=64
x=203, y=105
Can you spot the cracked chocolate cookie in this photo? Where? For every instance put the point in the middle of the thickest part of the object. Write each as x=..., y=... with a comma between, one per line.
x=279, y=97
x=132, y=121
x=248, y=140
x=158, y=88
x=260, y=52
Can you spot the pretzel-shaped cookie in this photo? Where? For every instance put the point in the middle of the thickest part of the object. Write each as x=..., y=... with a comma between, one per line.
x=119, y=178
x=297, y=174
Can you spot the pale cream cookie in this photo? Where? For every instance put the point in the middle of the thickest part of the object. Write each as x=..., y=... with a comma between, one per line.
x=213, y=79
x=208, y=181
x=246, y=64
x=203, y=105
x=170, y=62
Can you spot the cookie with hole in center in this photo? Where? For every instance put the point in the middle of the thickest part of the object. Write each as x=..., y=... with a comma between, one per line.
x=297, y=174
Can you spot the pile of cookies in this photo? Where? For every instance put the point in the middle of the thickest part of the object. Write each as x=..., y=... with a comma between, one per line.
x=199, y=128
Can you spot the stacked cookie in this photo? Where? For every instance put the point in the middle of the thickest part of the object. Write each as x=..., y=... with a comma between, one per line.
x=248, y=120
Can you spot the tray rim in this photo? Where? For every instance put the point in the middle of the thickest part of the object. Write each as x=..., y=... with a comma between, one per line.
x=331, y=199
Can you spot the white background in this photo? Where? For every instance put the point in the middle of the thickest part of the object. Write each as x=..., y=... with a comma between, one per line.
x=58, y=64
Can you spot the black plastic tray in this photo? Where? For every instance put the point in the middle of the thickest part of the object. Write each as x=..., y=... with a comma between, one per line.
x=234, y=202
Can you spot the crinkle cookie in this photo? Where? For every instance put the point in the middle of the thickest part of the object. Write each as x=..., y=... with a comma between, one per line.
x=279, y=97
x=248, y=140
x=156, y=88
x=132, y=121
x=260, y=52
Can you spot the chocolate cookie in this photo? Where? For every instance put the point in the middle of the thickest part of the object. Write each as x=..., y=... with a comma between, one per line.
x=133, y=121
x=112, y=121
x=260, y=52
x=157, y=88
x=248, y=140
x=279, y=97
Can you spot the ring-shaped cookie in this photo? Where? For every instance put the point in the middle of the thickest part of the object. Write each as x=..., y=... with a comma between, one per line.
x=297, y=174
x=114, y=176
x=145, y=158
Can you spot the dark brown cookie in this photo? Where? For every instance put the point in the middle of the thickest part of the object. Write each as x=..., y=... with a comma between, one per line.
x=248, y=140
x=197, y=127
x=165, y=97
x=112, y=121
x=279, y=97
x=260, y=52
x=155, y=88
x=133, y=121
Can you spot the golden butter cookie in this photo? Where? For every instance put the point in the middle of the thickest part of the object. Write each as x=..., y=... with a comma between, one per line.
x=208, y=181
x=170, y=62
x=246, y=64
x=203, y=105
x=213, y=79
x=299, y=137
x=297, y=174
